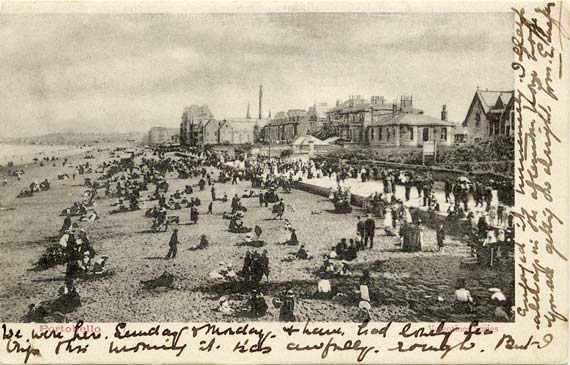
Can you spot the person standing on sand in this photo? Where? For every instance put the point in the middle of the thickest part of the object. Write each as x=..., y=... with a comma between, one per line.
x=440, y=234
x=173, y=245
x=261, y=199
x=210, y=206
x=369, y=229
x=213, y=191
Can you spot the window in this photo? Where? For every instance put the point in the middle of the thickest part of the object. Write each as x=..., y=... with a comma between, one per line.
x=380, y=133
x=477, y=119
x=512, y=120
x=411, y=129
x=443, y=135
x=388, y=134
x=426, y=134
x=371, y=134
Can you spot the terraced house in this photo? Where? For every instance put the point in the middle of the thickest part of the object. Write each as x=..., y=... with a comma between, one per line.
x=286, y=127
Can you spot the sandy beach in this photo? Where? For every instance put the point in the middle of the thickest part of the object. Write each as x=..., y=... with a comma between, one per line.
x=405, y=286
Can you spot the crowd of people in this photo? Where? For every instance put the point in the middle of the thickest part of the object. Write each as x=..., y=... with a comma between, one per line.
x=141, y=181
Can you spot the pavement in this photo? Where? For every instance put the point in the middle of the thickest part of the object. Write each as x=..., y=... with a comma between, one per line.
x=364, y=189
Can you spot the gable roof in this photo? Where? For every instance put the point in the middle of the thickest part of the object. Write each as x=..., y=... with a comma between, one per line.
x=489, y=98
x=305, y=140
x=243, y=124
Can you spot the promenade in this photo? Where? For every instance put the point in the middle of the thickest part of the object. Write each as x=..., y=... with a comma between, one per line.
x=362, y=190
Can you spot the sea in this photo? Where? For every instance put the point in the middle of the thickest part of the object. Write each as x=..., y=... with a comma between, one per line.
x=25, y=153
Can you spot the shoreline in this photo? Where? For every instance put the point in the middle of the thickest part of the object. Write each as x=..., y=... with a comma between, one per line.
x=34, y=172
x=24, y=153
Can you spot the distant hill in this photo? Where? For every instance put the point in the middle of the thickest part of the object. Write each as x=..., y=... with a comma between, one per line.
x=78, y=138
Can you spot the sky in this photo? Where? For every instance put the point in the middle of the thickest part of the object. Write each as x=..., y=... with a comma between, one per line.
x=129, y=72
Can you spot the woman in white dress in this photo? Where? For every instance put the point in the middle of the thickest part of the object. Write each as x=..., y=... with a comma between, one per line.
x=407, y=216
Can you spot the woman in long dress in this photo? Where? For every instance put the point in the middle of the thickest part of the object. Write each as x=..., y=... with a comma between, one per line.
x=407, y=216
x=287, y=234
x=388, y=222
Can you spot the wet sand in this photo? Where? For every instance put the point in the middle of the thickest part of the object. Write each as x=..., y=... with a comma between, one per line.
x=404, y=286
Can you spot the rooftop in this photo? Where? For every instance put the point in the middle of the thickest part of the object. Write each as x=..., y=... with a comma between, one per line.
x=412, y=120
x=489, y=98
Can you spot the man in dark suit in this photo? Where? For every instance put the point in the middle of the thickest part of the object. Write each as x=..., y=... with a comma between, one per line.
x=173, y=245
x=369, y=228
x=448, y=188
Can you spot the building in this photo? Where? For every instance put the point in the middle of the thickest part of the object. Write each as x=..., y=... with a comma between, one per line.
x=238, y=130
x=490, y=114
x=377, y=123
x=286, y=127
x=192, y=124
x=211, y=132
x=161, y=135
x=316, y=118
x=409, y=129
x=350, y=118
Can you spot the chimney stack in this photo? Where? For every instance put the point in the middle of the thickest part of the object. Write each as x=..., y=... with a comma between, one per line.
x=260, y=100
x=444, y=113
x=394, y=107
x=247, y=115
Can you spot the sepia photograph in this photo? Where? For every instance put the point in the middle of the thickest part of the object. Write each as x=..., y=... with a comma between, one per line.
x=272, y=167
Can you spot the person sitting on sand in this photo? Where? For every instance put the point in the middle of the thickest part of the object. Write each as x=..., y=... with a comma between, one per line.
x=463, y=300
x=344, y=269
x=327, y=269
x=340, y=248
x=202, y=245
x=287, y=309
x=293, y=240
x=325, y=290
x=257, y=304
x=302, y=254
x=225, y=272
x=99, y=265
x=224, y=305
x=90, y=216
x=69, y=299
x=235, y=224
x=350, y=252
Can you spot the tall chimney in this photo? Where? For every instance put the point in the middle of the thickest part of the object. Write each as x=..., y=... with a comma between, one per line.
x=444, y=113
x=247, y=115
x=260, y=100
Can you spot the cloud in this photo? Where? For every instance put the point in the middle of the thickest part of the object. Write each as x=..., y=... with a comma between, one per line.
x=83, y=71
